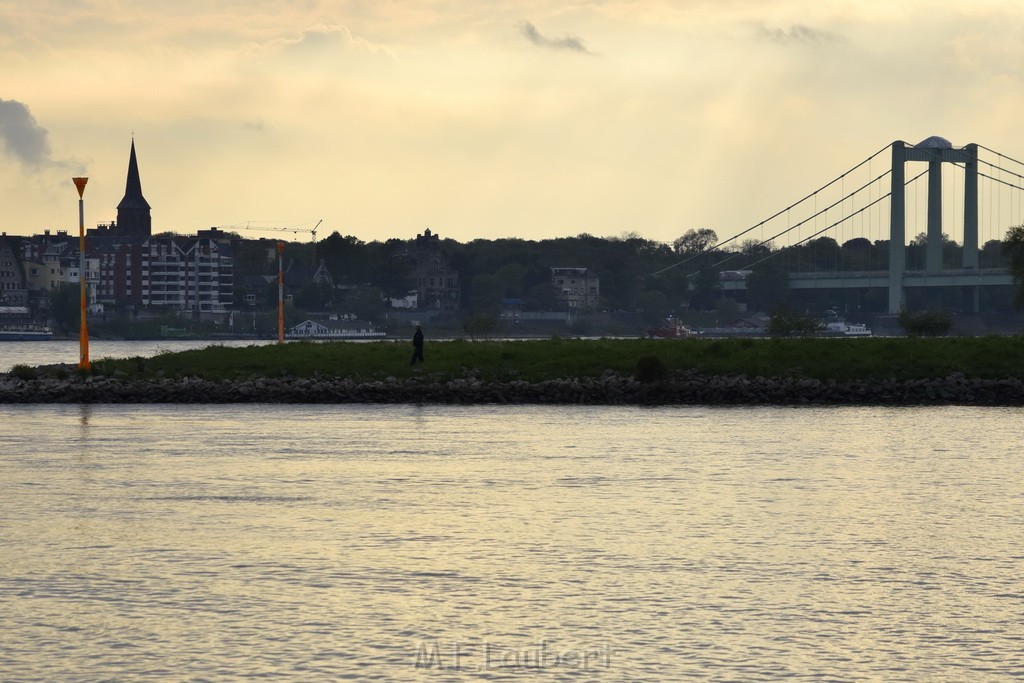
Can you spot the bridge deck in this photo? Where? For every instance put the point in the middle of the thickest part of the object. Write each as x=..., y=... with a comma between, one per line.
x=986, y=277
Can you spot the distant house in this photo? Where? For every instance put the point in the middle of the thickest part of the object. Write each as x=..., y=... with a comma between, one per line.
x=437, y=283
x=309, y=328
x=511, y=309
x=749, y=324
x=408, y=301
x=576, y=287
x=322, y=276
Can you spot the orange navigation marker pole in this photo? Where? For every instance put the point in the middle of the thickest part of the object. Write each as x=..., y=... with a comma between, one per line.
x=83, y=330
x=280, y=293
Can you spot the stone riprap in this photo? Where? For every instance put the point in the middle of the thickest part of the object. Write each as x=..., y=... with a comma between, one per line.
x=610, y=389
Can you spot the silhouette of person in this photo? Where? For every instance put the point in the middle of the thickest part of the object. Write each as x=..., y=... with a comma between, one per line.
x=417, y=346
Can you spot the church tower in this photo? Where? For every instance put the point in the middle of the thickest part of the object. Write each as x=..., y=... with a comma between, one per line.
x=133, y=217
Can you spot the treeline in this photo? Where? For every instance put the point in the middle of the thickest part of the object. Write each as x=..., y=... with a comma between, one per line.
x=636, y=274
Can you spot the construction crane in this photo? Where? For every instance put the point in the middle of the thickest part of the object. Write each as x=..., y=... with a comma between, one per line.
x=250, y=226
x=254, y=225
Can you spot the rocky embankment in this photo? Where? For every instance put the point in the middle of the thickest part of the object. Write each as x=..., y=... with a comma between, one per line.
x=610, y=389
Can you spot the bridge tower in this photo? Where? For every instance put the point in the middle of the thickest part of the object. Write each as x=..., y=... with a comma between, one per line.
x=936, y=151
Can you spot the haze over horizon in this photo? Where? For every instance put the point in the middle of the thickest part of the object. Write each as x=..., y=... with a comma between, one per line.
x=519, y=118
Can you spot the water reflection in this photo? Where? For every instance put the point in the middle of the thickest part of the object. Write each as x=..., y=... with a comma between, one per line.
x=374, y=542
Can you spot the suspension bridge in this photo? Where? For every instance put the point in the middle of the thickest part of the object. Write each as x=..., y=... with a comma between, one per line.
x=977, y=201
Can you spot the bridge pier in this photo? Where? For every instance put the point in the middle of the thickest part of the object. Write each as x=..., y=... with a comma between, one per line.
x=970, y=252
x=972, y=299
x=935, y=151
x=933, y=258
x=897, y=226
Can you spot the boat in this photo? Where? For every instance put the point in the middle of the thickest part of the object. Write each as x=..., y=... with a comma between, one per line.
x=672, y=328
x=16, y=325
x=845, y=329
x=28, y=332
x=311, y=329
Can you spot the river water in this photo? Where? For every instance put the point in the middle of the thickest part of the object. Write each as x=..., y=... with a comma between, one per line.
x=34, y=353
x=438, y=543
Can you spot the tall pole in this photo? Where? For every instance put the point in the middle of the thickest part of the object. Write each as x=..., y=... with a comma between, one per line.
x=83, y=330
x=280, y=293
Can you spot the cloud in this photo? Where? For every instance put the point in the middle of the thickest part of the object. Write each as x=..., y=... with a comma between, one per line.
x=568, y=42
x=797, y=33
x=21, y=136
x=330, y=38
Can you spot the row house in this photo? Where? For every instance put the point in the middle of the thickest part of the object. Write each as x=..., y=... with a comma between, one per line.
x=50, y=261
x=120, y=280
x=195, y=274
x=12, y=280
x=126, y=264
x=162, y=269
x=209, y=275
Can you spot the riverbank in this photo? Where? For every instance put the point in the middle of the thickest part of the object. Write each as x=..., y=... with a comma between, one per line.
x=966, y=371
x=876, y=359
x=611, y=389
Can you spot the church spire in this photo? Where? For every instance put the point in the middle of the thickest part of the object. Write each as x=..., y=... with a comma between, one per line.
x=133, y=213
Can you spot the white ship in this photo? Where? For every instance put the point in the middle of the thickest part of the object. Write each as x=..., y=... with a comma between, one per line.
x=846, y=329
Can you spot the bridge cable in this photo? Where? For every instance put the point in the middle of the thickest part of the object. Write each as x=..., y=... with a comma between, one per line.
x=981, y=174
x=776, y=215
x=829, y=227
x=825, y=229
x=806, y=220
x=1001, y=170
x=1000, y=154
x=1003, y=156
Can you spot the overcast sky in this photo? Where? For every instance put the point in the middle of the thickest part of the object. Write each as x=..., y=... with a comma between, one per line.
x=488, y=119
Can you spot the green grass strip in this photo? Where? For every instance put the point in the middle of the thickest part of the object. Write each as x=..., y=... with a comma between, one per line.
x=536, y=360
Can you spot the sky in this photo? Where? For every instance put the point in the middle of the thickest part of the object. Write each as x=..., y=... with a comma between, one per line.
x=504, y=118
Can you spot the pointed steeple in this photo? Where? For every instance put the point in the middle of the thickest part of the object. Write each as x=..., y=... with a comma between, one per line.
x=133, y=213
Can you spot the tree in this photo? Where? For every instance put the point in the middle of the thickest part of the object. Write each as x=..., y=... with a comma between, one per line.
x=755, y=249
x=511, y=277
x=346, y=257
x=540, y=297
x=768, y=286
x=707, y=285
x=727, y=310
x=655, y=306
x=486, y=294
x=821, y=254
x=695, y=241
x=481, y=325
x=251, y=258
x=313, y=296
x=366, y=303
x=932, y=323
x=1013, y=248
x=786, y=322
x=65, y=306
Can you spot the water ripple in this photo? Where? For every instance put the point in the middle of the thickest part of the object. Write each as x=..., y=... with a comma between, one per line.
x=497, y=543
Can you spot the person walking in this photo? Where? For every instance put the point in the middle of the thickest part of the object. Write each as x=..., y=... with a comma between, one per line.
x=417, y=346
